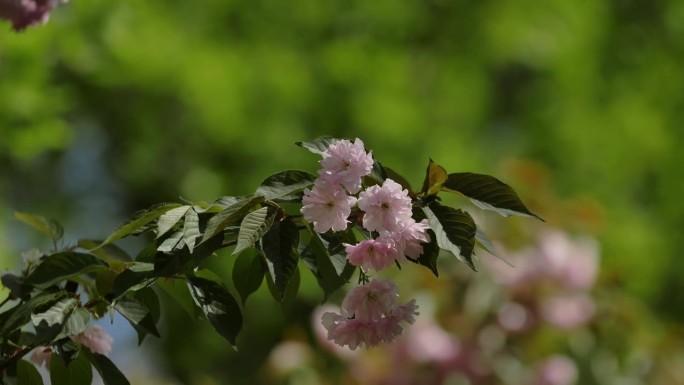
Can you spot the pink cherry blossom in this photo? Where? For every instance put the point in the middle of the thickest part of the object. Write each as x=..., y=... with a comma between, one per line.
x=410, y=237
x=96, y=339
x=327, y=206
x=346, y=163
x=42, y=355
x=370, y=315
x=374, y=253
x=386, y=207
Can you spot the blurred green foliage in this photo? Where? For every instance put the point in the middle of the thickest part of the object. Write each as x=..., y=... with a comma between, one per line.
x=113, y=106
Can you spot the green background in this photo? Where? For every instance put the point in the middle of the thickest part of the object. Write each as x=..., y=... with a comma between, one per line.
x=114, y=106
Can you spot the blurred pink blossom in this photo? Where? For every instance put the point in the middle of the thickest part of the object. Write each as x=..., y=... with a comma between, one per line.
x=428, y=342
x=574, y=262
x=42, y=355
x=514, y=317
x=96, y=339
x=567, y=311
x=557, y=370
x=346, y=163
x=327, y=206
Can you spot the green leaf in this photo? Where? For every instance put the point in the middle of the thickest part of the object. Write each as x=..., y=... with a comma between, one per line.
x=248, y=273
x=178, y=291
x=318, y=259
x=27, y=374
x=430, y=253
x=488, y=193
x=378, y=173
x=137, y=276
x=138, y=315
x=284, y=183
x=139, y=219
x=435, y=176
x=17, y=286
x=253, y=226
x=58, y=267
x=108, y=253
x=78, y=372
x=169, y=219
x=110, y=374
x=218, y=305
x=484, y=242
x=191, y=229
x=45, y=225
x=175, y=241
x=50, y=323
x=76, y=323
x=21, y=315
x=279, y=247
x=229, y=216
x=454, y=230
x=291, y=290
x=318, y=145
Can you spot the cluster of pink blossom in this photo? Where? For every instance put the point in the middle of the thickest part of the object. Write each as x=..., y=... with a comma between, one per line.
x=370, y=315
x=93, y=337
x=24, y=13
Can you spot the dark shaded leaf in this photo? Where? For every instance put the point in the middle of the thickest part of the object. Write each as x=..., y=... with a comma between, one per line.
x=454, y=230
x=488, y=193
x=317, y=258
x=318, y=145
x=138, y=315
x=430, y=253
x=435, y=176
x=108, y=253
x=284, y=183
x=78, y=372
x=110, y=374
x=218, y=305
x=27, y=374
x=139, y=219
x=47, y=226
x=177, y=289
x=137, y=276
x=231, y=215
x=174, y=242
x=21, y=315
x=49, y=323
x=279, y=247
x=248, y=273
x=57, y=267
x=17, y=286
x=253, y=226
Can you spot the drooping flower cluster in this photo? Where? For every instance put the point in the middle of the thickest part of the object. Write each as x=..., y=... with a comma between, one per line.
x=370, y=315
x=24, y=13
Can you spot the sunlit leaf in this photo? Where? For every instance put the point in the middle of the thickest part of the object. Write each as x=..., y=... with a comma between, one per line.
x=435, y=176
x=45, y=225
x=140, y=219
x=191, y=229
x=253, y=226
x=229, y=216
x=218, y=305
x=169, y=219
x=454, y=230
x=175, y=241
x=138, y=315
x=284, y=183
x=318, y=145
x=75, y=323
x=488, y=193
x=21, y=315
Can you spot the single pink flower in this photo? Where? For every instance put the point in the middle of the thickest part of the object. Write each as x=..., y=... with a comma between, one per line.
x=374, y=253
x=96, y=339
x=346, y=163
x=371, y=301
x=411, y=236
x=42, y=355
x=327, y=206
x=386, y=207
